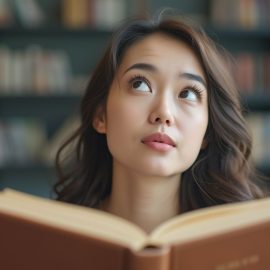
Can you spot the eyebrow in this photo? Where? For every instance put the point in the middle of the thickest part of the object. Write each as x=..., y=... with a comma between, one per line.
x=142, y=66
x=193, y=77
x=149, y=67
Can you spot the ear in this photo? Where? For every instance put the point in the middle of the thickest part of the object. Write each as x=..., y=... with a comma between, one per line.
x=99, y=120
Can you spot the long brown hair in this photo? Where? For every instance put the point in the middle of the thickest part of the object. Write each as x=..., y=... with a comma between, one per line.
x=222, y=172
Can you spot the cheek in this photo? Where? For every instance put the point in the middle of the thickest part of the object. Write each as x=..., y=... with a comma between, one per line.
x=121, y=121
x=195, y=128
x=119, y=115
x=191, y=143
x=124, y=110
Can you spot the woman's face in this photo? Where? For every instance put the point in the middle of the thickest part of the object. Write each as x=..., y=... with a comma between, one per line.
x=156, y=114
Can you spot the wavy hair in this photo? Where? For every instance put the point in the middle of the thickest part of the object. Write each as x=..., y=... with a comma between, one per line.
x=222, y=172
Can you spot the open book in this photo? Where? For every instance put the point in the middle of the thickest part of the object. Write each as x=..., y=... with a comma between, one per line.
x=38, y=233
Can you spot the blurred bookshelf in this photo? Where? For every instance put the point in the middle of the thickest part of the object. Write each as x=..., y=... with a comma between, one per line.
x=48, y=50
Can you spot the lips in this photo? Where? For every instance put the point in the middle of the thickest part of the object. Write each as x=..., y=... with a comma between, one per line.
x=159, y=138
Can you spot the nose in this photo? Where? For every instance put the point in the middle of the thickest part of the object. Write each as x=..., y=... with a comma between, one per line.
x=162, y=113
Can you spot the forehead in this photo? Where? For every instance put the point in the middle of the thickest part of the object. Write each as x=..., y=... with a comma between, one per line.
x=163, y=51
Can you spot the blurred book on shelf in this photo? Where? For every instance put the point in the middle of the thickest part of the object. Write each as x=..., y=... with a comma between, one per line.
x=252, y=73
x=259, y=125
x=93, y=13
x=6, y=15
x=76, y=13
x=21, y=141
x=243, y=14
x=25, y=141
x=26, y=13
x=35, y=70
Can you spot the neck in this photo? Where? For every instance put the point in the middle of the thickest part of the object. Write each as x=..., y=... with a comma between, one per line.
x=145, y=201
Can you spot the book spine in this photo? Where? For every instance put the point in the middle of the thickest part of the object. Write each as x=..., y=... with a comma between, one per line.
x=29, y=13
x=245, y=14
x=252, y=73
x=151, y=257
x=6, y=16
x=245, y=72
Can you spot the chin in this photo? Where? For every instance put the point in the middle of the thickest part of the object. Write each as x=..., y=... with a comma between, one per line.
x=160, y=171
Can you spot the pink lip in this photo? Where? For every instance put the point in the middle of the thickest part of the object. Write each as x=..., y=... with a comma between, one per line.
x=159, y=141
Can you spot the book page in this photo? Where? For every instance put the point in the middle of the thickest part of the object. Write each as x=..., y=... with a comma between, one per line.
x=73, y=218
x=212, y=220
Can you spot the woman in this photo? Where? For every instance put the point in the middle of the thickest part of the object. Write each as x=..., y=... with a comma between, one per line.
x=162, y=130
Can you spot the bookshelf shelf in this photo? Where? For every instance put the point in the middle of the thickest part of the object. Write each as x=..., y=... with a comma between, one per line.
x=33, y=178
x=264, y=168
x=51, y=30
x=239, y=33
x=45, y=106
x=260, y=103
x=19, y=32
x=26, y=168
x=239, y=40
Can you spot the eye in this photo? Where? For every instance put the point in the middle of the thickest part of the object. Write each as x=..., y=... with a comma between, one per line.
x=140, y=83
x=191, y=94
